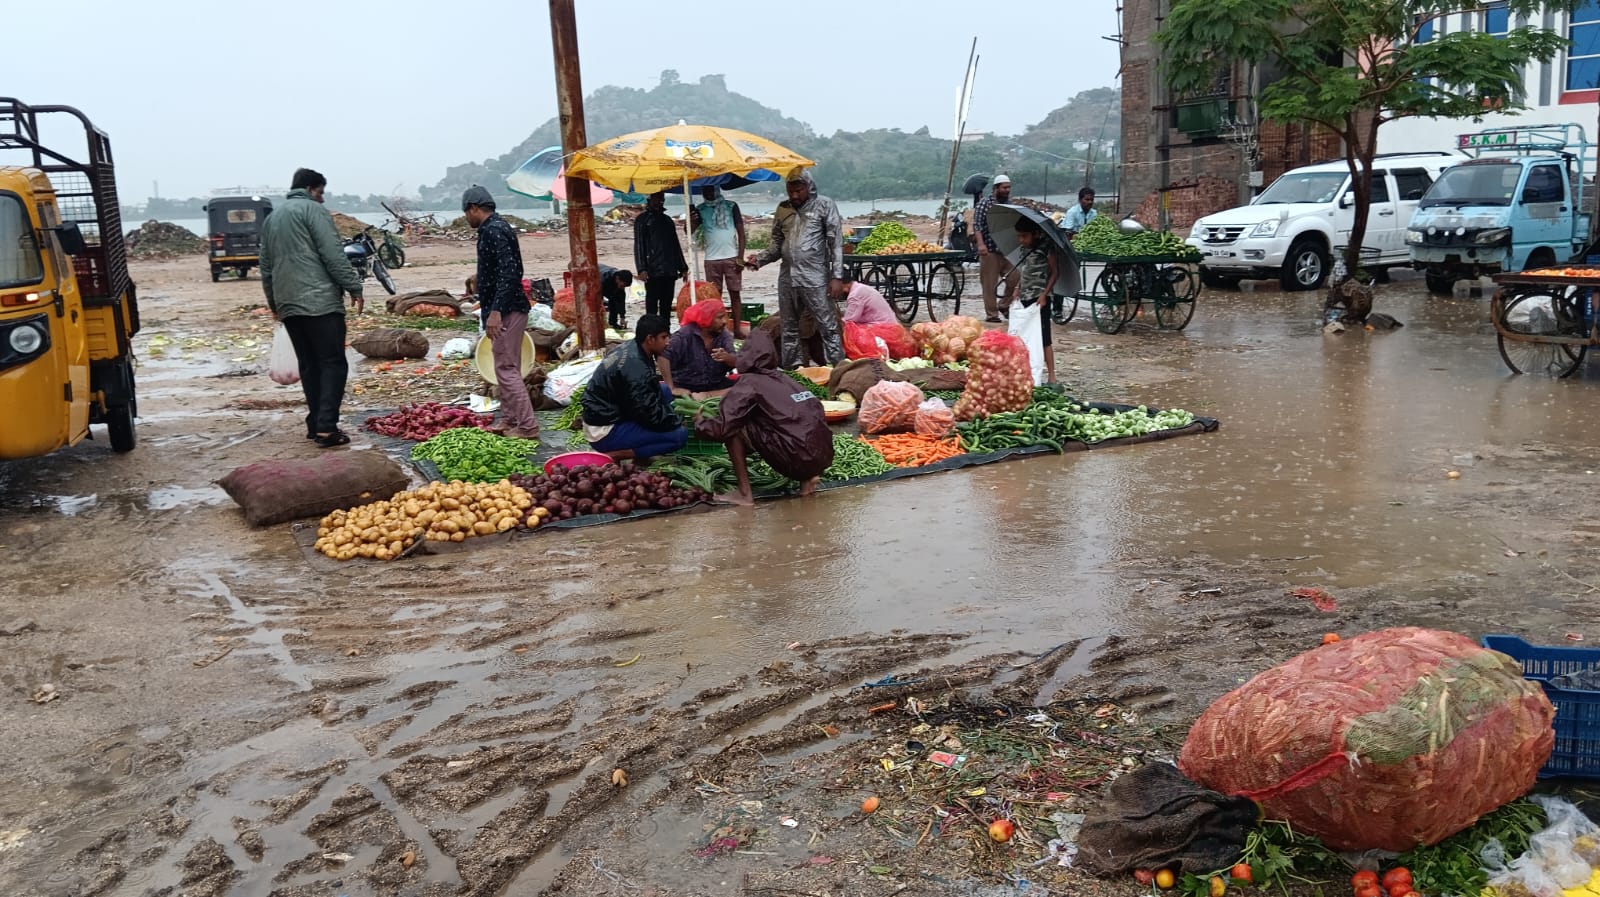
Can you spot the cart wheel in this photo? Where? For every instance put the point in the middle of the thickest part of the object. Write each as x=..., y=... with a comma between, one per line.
x=1175, y=302
x=1555, y=360
x=945, y=285
x=1062, y=308
x=902, y=292
x=1109, y=309
x=1541, y=313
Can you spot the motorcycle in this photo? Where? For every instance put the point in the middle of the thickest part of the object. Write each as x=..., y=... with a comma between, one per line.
x=364, y=256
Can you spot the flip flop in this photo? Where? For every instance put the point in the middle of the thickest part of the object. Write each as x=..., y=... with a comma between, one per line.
x=336, y=438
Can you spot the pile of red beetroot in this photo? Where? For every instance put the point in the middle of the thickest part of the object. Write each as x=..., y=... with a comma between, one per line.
x=422, y=421
x=608, y=489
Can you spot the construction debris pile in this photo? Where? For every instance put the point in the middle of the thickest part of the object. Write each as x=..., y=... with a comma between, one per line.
x=159, y=239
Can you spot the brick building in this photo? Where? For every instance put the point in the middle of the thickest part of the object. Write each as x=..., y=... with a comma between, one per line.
x=1190, y=149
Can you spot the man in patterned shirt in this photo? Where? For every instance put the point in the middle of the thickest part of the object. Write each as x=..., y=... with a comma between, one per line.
x=990, y=262
x=504, y=307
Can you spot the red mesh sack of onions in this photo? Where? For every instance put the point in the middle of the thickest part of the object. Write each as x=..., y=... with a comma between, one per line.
x=1000, y=378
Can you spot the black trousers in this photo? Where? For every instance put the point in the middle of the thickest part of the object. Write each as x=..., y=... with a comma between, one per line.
x=319, y=345
x=658, y=296
x=616, y=308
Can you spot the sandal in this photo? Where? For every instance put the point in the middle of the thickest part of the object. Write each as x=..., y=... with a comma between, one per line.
x=336, y=438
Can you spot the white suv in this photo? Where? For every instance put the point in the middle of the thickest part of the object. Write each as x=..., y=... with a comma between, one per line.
x=1290, y=230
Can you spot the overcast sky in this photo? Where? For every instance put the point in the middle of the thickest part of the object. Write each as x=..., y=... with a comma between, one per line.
x=383, y=97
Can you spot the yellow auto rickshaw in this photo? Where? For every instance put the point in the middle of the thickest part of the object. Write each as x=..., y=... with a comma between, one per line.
x=67, y=306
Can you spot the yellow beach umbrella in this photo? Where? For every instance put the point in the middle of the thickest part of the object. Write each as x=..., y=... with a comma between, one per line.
x=663, y=158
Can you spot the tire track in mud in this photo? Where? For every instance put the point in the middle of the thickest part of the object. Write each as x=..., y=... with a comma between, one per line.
x=441, y=747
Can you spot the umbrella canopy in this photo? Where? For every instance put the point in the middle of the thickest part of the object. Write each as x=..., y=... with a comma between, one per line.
x=662, y=158
x=679, y=155
x=1002, y=229
x=543, y=177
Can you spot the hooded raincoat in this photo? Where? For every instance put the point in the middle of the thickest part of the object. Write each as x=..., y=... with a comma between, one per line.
x=810, y=241
x=782, y=420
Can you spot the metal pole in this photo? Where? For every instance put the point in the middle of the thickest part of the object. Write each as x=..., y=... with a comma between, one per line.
x=961, y=129
x=585, y=265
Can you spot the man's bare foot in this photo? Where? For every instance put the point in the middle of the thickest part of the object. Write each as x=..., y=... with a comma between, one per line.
x=809, y=487
x=742, y=499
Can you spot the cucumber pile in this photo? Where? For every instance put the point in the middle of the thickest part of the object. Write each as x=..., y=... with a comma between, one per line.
x=1102, y=237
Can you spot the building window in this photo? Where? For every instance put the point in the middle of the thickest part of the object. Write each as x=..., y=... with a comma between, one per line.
x=1425, y=32
x=1583, y=59
x=1496, y=19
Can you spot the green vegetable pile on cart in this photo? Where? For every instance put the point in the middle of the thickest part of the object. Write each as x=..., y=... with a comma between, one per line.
x=1102, y=237
x=887, y=233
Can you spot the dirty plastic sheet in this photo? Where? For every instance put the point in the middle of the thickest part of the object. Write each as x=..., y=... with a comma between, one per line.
x=555, y=444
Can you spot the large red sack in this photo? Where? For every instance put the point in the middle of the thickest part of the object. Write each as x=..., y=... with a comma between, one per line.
x=703, y=290
x=565, y=310
x=1387, y=740
x=288, y=489
x=1000, y=377
x=861, y=341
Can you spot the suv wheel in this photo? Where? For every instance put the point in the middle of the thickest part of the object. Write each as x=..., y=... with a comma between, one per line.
x=1306, y=266
x=1440, y=284
x=1218, y=281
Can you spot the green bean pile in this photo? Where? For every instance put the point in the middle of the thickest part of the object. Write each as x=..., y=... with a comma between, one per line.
x=854, y=459
x=572, y=417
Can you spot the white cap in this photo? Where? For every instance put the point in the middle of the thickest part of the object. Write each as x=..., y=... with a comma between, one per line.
x=1001, y=179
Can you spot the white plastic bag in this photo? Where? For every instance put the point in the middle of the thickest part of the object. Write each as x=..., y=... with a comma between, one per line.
x=456, y=349
x=1025, y=326
x=284, y=365
x=1554, y=860
x=539, y=318
x=934, y=418
x=565, y=380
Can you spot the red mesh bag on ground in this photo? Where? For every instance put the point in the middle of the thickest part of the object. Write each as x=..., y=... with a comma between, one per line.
x=1387, y=740
x=1000, y=377
x=861, y=341
x=889, y=407
x=566, y=307
x=703, y=290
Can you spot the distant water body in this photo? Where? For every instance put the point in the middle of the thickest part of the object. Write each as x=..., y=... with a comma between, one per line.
x=754, y=205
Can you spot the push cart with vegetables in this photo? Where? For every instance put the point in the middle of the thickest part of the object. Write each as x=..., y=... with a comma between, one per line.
x=1130, y=266
x=909, y=279
x=1122, y=284
x=1545, y=320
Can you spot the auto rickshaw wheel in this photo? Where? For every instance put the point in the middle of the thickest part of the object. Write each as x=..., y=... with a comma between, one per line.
x=216, y=274
x=244, y=271
x=119, y=417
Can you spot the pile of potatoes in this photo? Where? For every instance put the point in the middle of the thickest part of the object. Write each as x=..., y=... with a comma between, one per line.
x=438, y=512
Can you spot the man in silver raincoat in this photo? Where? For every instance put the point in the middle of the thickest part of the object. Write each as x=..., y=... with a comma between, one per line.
x=807, y=234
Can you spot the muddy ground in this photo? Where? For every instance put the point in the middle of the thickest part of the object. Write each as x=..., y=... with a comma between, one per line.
x=230, y=720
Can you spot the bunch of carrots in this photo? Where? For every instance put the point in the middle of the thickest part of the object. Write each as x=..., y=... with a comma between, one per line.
x=914, y=450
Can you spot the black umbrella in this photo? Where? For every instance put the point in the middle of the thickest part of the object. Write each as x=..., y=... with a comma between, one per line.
x=1002, y=229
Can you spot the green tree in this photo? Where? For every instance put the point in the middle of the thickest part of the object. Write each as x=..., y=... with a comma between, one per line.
x=1351, y=65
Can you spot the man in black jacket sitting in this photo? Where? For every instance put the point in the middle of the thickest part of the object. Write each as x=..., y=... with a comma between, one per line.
x=627, y=410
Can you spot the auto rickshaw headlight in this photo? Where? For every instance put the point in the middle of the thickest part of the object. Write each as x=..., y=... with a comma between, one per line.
x=26, y=339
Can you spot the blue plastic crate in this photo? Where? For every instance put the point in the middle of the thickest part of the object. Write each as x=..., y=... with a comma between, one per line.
x=1577, y=749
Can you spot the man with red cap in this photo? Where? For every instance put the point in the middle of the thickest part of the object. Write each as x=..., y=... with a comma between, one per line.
x=699, y=356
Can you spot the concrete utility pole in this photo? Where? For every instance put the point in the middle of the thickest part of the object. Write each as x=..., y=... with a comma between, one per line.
x=580, y=214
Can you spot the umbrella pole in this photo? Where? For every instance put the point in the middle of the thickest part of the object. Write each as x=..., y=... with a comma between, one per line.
x=694, y=256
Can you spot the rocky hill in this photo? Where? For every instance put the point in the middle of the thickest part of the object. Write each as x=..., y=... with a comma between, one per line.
x=881, y=163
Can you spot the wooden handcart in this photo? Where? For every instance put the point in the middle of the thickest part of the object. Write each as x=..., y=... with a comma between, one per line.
x=1546, y=322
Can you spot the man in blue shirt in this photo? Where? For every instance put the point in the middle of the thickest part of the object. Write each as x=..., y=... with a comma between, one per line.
x=1080, y=214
